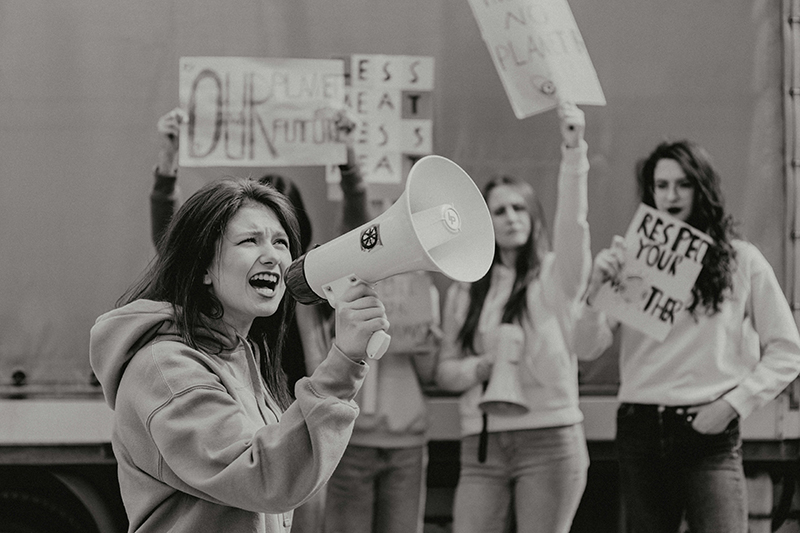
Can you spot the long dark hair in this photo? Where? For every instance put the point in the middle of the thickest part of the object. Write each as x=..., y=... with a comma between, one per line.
x=527, y=267
x=708, y=215
x=289, y=189
x=293, y=359
x=192, y=240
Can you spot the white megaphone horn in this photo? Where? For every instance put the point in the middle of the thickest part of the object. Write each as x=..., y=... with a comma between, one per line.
x=440, y=223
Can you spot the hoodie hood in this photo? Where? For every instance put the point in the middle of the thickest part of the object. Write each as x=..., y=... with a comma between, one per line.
x=119, y=334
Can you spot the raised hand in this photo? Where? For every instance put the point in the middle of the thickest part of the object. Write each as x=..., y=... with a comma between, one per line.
x=169, y=127
x=573, y=124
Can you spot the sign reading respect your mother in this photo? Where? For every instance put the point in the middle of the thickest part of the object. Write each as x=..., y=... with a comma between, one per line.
x=663, y=257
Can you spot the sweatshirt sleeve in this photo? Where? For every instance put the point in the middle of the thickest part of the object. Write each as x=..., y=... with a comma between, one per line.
x=778, y=338
x=593, y=332
x=354, y=202
x=214, y=451
x=573, y=258
x=455, y=372
x=164, y=200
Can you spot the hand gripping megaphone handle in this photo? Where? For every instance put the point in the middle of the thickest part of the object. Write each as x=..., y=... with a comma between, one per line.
x=379, y=342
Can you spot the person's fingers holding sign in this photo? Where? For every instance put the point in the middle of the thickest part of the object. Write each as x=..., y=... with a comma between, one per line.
x=573, y=124
x=169, y=129
x=607, y=266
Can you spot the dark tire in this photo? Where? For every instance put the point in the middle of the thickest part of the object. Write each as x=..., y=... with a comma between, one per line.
x=25, y=511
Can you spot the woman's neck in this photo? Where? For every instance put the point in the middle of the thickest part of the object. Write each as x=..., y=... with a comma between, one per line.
x=508, y=258
x=239, y=330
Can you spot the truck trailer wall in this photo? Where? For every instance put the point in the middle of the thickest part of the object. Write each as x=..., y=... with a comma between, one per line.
x=83, y=82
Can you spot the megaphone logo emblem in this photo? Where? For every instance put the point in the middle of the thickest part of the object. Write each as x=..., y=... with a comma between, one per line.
x=370, y=238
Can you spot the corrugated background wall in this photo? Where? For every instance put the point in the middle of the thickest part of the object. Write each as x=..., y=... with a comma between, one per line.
x=83, y=82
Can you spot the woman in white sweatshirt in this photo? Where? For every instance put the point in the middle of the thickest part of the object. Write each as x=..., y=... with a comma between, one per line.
x=538, y=458
x=732, y=349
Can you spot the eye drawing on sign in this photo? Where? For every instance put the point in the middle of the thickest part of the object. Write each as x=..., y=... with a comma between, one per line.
x=543, y=84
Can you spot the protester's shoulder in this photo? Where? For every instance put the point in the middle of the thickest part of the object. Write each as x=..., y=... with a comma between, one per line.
x=176, y=365
x=749, y=257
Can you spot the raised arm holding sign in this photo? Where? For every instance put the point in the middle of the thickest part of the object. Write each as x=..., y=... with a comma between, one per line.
x=509, y=331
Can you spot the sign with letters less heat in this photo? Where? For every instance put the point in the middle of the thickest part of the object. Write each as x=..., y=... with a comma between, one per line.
x=539, y=54
x=390, y=97
x=663, y=258
x=260, y=111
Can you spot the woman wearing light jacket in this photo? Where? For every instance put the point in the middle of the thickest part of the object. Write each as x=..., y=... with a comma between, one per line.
x=205, y=433
x=538, y=458
x=732, y=349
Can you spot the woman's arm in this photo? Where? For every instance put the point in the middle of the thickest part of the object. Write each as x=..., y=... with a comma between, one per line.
x=772, y=319
x=165, y=195
x=571, y=229
x=456, y=371
x=214, y=451
x=355, y=211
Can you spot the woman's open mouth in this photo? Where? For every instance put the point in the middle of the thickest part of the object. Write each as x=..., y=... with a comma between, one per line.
x=265, y=283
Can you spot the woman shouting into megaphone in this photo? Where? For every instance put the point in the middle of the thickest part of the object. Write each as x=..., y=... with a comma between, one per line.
x=206, y=433
x=536, y=452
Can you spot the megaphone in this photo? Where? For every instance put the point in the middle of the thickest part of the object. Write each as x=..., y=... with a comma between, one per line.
x=503, y=396
x=440, y=223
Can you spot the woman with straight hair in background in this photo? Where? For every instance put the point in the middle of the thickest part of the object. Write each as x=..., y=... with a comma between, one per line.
x=533, y=463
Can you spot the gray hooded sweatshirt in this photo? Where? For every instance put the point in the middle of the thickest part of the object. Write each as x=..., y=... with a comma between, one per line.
x=201, y=445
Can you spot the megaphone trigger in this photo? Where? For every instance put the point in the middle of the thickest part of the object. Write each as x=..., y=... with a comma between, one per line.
x=334, y=289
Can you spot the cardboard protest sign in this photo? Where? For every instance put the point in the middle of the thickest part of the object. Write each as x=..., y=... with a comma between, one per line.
x=539, y=54
x=260, y=111
x=391, y=98
x=663, y=258
x=409, y=308
x=409, y=304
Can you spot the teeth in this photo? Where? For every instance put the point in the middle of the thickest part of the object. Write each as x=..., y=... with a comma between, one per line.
x=266, y=276
x=265, y=282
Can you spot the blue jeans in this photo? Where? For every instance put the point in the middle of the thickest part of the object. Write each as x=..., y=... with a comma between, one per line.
x=377, y=490
x=542, y=471
x=668, y=469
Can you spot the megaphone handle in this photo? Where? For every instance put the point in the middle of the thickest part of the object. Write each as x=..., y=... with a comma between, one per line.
x=378, y=344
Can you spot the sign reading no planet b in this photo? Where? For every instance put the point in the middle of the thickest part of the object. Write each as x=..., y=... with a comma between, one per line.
x=260, y=112
x=539, y=54
x=663, y=257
